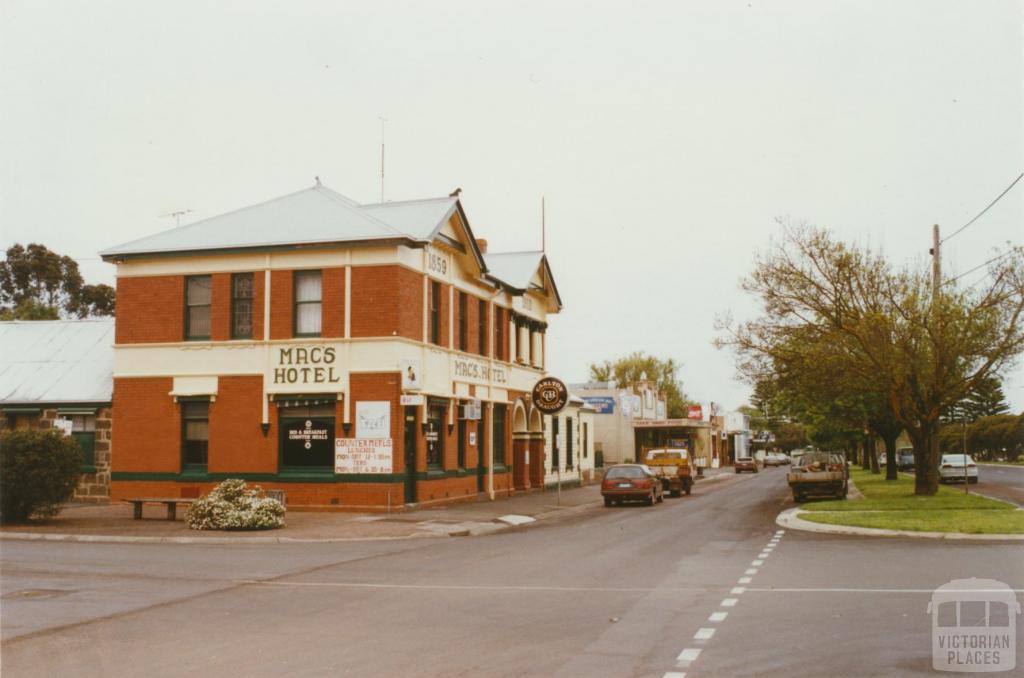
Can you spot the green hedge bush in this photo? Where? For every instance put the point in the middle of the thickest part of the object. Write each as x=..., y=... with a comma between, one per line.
x=38, y=472
x=232, y=505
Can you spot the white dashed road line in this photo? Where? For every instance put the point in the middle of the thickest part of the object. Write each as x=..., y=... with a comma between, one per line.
x=706, y=633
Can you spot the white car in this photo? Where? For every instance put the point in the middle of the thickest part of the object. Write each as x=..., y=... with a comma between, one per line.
x=951, y=468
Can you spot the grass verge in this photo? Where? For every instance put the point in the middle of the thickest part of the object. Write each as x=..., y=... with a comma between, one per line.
x=892, y=505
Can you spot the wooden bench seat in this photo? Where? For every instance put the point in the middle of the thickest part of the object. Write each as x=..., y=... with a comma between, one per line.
x=170, y=502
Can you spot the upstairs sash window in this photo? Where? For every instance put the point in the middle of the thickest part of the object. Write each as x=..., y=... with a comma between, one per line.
x=307, y=303
x=198, y=296
x=241, y=306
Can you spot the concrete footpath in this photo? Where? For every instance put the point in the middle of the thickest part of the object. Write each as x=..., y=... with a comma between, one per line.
x=114, y=522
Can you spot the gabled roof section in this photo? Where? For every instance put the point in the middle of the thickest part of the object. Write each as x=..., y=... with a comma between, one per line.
x=516, y=270
x=56, y=361
x=313, y=215
x=423, y=220
x=316, y=215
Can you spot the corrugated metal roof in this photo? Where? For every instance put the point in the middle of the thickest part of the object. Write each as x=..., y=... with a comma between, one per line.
x=514, y=268
x=417, y=218
x=57, y=361
x=313, y=215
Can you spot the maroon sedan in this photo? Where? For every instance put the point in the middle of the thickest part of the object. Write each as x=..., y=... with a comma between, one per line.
x=637, y=482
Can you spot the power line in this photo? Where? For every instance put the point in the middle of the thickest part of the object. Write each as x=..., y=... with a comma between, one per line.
x=998, y=198
x=1012, y=250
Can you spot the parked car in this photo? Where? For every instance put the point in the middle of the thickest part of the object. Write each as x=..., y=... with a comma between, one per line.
x=905, y=458
x=745, y=464
x=626, y=482
x=951, y=469
x=819, y=473
x=775, y=459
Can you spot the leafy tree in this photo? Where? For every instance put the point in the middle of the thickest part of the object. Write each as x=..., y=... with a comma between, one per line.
x=30, y=309
x=38, y=472
x=638, y=365
x=985, y=399
x=34, y=278
x=915, y=349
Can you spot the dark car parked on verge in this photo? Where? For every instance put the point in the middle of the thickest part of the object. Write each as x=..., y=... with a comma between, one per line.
x=636, y=482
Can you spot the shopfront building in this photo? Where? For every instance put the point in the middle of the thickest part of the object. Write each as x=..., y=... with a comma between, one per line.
x=354, y=356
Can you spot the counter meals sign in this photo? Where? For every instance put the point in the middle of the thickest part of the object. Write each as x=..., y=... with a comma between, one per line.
x=363, y=455
x=312, y=365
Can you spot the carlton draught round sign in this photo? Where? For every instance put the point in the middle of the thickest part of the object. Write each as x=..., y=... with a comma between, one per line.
x=550, y=395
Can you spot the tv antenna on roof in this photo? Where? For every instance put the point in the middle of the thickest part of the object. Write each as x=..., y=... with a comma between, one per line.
x=177, y=216
x=382, y=121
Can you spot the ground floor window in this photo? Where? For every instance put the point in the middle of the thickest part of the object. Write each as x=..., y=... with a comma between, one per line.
x=307, y=436
x=195, y=434
x=568, y=443
x=83, y=430
x=556, y=456
x=498, y=423
x=436, y=416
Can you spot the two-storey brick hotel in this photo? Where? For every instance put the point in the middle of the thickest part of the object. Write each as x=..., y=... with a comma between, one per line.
x=352, y=355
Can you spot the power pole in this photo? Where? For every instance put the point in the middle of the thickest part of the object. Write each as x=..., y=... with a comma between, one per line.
x=936, y=267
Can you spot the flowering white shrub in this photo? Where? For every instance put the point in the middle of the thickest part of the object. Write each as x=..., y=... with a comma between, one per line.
x=234, y=506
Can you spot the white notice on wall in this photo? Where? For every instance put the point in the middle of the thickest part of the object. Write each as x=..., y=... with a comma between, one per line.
x=65, y=426
x=358, y=455
x=373, y=419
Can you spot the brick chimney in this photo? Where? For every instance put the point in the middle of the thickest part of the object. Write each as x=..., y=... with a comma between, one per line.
x=482, y=244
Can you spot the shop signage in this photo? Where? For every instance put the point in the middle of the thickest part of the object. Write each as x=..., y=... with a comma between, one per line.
x=603, y=404
x=471, y=410
x=307, y=442
x=410, y=370
x=410, y=400
x=695, y=412
x=65, y=426
x=550, y=395
x=305, y=365
x=363, y=455
x=373, y=419
x=479, y=370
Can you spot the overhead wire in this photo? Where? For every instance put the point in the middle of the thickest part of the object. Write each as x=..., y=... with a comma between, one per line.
x=1012, y=250
x=987, y=208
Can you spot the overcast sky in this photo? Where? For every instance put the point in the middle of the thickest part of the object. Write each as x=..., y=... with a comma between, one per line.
x=666, y=137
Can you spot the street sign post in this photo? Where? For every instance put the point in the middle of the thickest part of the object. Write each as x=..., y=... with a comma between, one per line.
x=550, y=396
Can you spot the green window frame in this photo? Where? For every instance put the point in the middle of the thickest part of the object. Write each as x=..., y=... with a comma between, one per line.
x=498, y=430
x=195, y=434
x=198, y=302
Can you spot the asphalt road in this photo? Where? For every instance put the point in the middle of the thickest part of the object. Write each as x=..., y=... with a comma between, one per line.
x=1002, y=482
x=632, y=591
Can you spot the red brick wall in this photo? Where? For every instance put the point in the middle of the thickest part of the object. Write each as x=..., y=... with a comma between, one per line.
x=333, y=302
x=237, y=443
x=281, y=304
x=150, y=309
x=147, y=424
x=377, y=386
x=387, y=301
